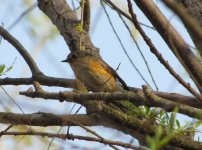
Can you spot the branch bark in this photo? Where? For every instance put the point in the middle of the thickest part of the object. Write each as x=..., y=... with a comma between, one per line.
x=77, y=137
x=173, y=40
x=47, y=119
x=67, y=23
x=23, y=52
x=154, y=50
x=194, y=8
x=147, y=99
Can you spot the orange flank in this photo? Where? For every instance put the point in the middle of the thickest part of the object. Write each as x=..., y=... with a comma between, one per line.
x=98, y=68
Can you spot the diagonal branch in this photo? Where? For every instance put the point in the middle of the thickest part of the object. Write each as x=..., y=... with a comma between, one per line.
x=194, y=10
x=173, y=39
x=154, y=50
x=23, y=52
x=191, y=24
x=116, y=8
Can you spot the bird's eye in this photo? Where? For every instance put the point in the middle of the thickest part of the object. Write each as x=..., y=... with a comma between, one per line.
x=74, y=55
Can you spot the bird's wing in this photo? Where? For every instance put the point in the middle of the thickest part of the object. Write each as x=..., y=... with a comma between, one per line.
x=115, y=74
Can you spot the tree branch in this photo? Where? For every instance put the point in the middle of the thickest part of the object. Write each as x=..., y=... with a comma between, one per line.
x=121, y=12
x=67, y=23
x=136, y=98
x=23, y=52
x=194, y=9
x=48, y=119
x=70, y=83
x=172, y=38
x=76, y=137
x=43, y=80
x=159, y=56
x=86, y=17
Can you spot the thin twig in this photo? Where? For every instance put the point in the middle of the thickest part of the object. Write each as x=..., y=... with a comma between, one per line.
x=21, y=16
x=124, y=49
x=113, y=6
x=43, y=80
x=12, y=99
x=116, y=8
x=141, y=53
x=78, y=137
x=29, y=60
x=86, y=16
x=81, y=25
x=93, y=133
x=9, y=127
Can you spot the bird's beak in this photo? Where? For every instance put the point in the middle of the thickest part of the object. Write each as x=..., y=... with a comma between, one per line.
x=64, y=60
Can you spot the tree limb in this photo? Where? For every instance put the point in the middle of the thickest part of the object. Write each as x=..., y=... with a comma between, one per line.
x=86, y=17
x=172, y=38
x=150, y=100
x=154, y=50
x=43, y=80
x=23, y=52
x=67, y=23
x=48, y=119
x=76, y=137
x=194, y=8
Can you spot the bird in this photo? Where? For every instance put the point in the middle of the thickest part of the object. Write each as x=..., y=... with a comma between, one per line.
x=94, y=72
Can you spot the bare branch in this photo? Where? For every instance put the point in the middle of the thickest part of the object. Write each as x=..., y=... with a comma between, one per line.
x=136, y=98
x=194, y=10
x=23, y=52
x=191, y=23
x=154, y=50
x=43, y=80
x=47, y=119
x=86, y=17
x=78, y=137
x=70, y=83
x=172, y=37
x=121, y=12
x=67, y=23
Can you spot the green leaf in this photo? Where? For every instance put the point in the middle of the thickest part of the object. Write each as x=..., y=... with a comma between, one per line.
x=2, y=67
x=197, y=124
x=171, y=122
x=178, y=124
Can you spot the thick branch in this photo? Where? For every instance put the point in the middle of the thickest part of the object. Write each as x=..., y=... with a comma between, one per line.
x=186, y=100
x=190, y=23
x=194, y=8
x=48, y=119
x=136, y=98
x=154, y=50
x=70, y=83
x=174, y=41
x=67, y=23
